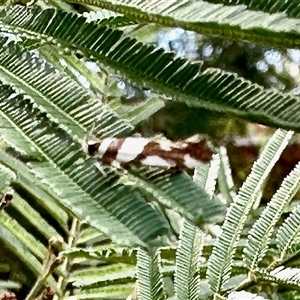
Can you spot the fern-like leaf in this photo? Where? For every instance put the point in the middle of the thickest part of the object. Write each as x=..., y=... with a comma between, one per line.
x=290, y=7
x=287, y=276
x=24, y=245
x=189, y=249
x=61, y=97
x=35, y=188
x=187, y=278
x=288, y=234
x=149, y=277
x=180, y=193
x=77, y=112
x=221, y=260
x=146, y=65
x=234, y=21
x=260, y=234
x=76, y=182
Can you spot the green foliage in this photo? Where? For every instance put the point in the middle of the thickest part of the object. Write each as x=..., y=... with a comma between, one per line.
x=149, y=277
x=221, y=260
x=71, y=230
x=189, y=251
x=290, y=7
x=212, y=89
x=234, y=21
x=263, y=229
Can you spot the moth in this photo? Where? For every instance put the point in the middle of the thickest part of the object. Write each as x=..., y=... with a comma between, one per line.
x=141, y=151
x=6, y=199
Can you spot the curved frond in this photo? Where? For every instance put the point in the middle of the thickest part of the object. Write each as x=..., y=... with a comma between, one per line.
x=221, y=259
x=24, y=245
x=109, y=206
x=148, y=66
x=149, y=277
x=290, y=7
x=189, y=250
x=231, y=22
x=27, y=239
x=77, y=112
x=106, y=17
x=23, y=228
x=20, y=241
x=283, y=275
x=72, y=107
x=59, y=96
x=179, y=192
x=97, y=268
x=288, y=234
x=34, y=187
x=260, y=234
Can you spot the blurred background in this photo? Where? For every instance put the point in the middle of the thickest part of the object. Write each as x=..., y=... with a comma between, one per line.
x=267, y=67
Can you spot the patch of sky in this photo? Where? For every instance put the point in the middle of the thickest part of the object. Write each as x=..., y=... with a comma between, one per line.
x=180, y=41
x=274, y=58
x=262, y=66
x=207, y=50
x=294, y=54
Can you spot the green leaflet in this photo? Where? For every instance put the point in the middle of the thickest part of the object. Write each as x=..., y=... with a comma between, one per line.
x=213, y=89
x=23, y=244
x=261, y=232
x=64, y=99
x=191, y=240
x=258, y=24
x=290, y=7
x=61, y=173
x=110, y=207
x=177, y=191
x=149, y=276
x=221, y=260
x=288, y=234
x=29, y=183
x=70, y=107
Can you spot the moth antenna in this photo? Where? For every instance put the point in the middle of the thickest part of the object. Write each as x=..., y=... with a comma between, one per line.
x=89, y=135
x=89, y=141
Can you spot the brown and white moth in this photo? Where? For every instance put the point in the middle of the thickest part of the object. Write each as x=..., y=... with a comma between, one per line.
x=6, y=199
x=119, y=152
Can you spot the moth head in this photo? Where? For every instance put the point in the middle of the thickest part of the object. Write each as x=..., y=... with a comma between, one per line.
x=90, y=144
x=93, y=147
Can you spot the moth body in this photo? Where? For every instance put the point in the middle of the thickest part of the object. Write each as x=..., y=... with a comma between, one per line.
x=6, y=199
x=141, y=151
